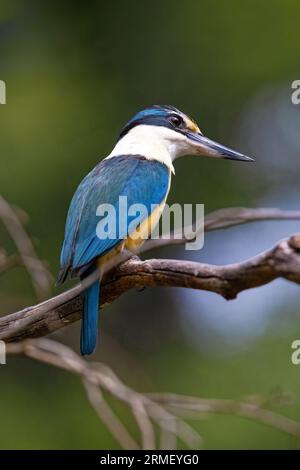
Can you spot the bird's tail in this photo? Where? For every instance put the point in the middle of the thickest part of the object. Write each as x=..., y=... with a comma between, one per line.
x=89, y=324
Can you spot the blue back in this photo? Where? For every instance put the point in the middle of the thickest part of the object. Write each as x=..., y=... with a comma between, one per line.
x=142, y=181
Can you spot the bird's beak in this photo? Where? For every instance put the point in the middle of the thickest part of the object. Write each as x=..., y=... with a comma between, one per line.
x=207, y=147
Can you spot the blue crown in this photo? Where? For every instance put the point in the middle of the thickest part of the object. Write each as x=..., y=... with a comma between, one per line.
x=155, y=115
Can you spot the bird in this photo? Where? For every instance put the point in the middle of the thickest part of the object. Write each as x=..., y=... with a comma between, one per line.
x=140, y=167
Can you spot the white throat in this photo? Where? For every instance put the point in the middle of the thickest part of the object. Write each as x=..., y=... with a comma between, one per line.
x=152, y=142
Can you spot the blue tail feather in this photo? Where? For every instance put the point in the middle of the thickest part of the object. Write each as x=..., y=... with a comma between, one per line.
x=89, y=324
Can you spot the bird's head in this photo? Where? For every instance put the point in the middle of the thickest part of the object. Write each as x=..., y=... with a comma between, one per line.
x=175, y=131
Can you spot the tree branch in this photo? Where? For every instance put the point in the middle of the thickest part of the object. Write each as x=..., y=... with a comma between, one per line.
x=282, y=261
x=221, y=219
x=40, y=276
x=156, y=412
x=193, y=408
x=168, y=411
x=98, y=377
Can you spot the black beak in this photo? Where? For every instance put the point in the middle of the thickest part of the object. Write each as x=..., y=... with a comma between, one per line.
x=207, y=147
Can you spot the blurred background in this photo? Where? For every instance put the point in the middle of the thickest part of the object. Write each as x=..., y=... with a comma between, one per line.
x=75, y=73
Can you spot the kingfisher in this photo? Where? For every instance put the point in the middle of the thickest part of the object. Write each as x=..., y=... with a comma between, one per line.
x=140, y=168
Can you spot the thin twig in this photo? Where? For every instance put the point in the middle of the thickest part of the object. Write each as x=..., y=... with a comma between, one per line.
x=56, y=354
x=192, y=407
x=145, y=425
x=40, y=276
x=168, y=439
x=8, y=262
x=220, y=219
x=282, y=261
x=109, y=418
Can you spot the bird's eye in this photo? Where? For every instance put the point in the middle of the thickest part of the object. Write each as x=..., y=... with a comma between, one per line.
x=176, y=120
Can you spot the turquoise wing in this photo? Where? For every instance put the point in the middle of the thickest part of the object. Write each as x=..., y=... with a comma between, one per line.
x=140, y=180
